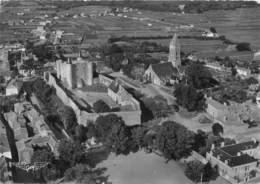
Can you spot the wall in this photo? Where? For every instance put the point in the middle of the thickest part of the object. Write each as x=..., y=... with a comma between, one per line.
x=130, y=117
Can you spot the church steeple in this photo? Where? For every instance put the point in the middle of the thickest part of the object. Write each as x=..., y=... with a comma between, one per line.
x=175, y=52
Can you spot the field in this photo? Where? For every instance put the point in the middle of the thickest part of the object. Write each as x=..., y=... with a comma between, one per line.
x=143, y=168
x=96, y=20
x=145, y=23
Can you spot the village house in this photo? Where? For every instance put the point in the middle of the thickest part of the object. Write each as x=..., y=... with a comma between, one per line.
x=256, y=56
x=209, y=34
x=18, y=125
x=39, y=32
x=215, y=66
x=25, y=150
x=43, y=136
x=235, y=162
x=121, y=96
x=214, y=108
x=243, y=72
x=13, y=87
x=4, y=144
x=5, y=173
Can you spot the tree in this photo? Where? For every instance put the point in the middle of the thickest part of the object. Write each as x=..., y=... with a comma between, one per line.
x=82, y=173
x=137, y=72
x=112, y=131
x=188, y=97
x=42, y=155
x=199, y=76
x=200, y=140
x=233, y=71
x=80, y=133
x=71, y=152
x=100, y=106
x=209, y=173
x=213, y=30
x=174, y=140
x=251, y=80
x=104, y=125
x=68, y=118
x=217, y=129
x=91, y=130
x=243, y=47
x=194, y=171
x=158, y=105
x=138, y=134
x=120, y=139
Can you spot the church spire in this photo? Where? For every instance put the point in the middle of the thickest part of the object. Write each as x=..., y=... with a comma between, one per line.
x=174, y=52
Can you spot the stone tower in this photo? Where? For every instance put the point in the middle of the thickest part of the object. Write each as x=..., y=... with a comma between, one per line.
x=175, y=52
x=89, y=73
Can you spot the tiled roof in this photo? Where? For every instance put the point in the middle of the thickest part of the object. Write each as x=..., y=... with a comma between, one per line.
x=235, y=148
x=165, y=70
x=230, y=153
x=215, y=104
x=114, y=87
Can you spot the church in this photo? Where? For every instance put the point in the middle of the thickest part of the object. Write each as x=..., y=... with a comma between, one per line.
x=166, y=72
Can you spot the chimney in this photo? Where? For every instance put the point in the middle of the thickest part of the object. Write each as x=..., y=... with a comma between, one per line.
x=253, y=139
x=222, y=144
x=226, y=162
x=212, y=146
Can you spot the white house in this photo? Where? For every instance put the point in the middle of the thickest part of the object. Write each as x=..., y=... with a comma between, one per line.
x=13, y=88
x=243, y=72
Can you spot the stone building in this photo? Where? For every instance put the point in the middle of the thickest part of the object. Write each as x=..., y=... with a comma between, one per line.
x=76, y=73
x=166, y=72
x=13, y=87
x=161, y=74
x=236, y=162
x=215, y=109
x=175, y=52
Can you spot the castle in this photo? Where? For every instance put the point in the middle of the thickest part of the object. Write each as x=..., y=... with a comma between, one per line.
x=75, y=73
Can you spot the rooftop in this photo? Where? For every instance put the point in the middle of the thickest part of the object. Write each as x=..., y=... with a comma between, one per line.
x=235, y=148
x=164, y=70
x=234, y=155
x=215, y=104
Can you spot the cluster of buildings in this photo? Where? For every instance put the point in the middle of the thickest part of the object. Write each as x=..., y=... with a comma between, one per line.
x=30, y=131
x=5, y=154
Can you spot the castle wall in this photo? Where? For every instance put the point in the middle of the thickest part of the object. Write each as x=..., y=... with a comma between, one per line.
x=130, y=117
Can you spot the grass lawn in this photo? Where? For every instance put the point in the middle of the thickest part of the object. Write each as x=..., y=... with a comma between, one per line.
x=143, y=168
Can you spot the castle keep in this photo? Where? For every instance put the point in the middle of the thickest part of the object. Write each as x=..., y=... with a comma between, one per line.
x=75, y=73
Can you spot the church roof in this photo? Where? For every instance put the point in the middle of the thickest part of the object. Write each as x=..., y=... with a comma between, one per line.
x=165, y=70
